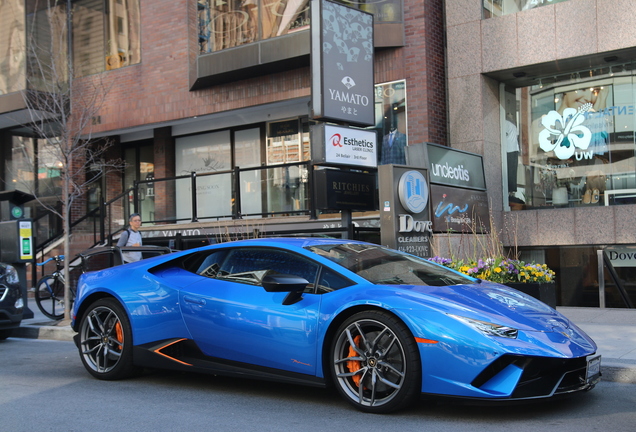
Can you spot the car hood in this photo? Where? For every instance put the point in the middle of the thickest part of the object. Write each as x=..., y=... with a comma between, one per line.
x=489, y=302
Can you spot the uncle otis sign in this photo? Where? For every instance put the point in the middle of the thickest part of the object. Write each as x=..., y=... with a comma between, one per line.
x=404, y=209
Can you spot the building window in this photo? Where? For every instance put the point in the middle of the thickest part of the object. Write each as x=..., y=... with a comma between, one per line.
x=390, y=117
x=12, y=54
x=267, y=162
x=233, y=23
x=106, y=35
x=495, y=8
x=140, y=167
x=34, y=167
x=578, y=280
x=575, y=136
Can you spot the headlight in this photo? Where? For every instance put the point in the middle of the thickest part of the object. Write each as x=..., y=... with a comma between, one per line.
x=11, y=276
x=488, y=328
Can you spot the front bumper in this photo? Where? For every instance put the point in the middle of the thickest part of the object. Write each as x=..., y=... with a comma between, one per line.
x=10, y=316
x=10, y=320
x=519, y=377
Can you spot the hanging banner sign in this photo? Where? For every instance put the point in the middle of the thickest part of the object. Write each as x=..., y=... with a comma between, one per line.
x=342, y=80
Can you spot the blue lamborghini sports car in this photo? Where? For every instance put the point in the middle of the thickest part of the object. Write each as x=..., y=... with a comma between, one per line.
x=381, y=326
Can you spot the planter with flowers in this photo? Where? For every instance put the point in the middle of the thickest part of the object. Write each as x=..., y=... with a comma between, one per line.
x=536, y=280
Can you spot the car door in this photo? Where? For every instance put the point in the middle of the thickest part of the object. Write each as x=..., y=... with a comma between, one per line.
x=232, y=317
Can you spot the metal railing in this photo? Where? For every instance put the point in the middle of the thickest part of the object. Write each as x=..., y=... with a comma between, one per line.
x=232, y=194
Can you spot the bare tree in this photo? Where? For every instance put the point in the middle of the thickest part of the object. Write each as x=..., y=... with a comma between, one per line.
x=62, y=113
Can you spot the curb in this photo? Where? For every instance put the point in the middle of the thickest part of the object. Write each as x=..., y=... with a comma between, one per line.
x=44, y=331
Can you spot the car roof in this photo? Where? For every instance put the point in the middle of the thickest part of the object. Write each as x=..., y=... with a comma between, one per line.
x=299, y=242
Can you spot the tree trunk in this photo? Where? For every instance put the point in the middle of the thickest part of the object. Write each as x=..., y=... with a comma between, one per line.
x=67, y=249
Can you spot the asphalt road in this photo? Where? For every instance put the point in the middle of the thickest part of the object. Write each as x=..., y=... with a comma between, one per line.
x=44, y=387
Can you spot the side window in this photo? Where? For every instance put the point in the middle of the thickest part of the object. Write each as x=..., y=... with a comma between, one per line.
x=250, y=265
x=211, y=264
x=331, y=281
x=204, y=263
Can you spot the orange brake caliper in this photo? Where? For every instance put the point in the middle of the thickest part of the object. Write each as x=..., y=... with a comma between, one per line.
x=354, y=365
x=119, y=334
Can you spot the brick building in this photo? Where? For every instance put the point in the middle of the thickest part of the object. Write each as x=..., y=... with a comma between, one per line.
x=215, y=98
x=206, y=88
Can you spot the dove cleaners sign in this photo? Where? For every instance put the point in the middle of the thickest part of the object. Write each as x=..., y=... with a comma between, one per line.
x=342, y=64
x=405, y=219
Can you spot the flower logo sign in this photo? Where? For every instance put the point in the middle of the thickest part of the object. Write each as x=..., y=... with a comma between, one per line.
x=564, y=134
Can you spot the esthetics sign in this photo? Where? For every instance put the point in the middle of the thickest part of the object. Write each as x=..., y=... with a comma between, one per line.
x=338, y=145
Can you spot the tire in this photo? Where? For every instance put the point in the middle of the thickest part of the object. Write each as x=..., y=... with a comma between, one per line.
x=105, y=341
x=5, y=333
x=375, y=362
x=49, y=296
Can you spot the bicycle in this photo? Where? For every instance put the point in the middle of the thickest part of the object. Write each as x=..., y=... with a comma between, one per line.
x=49, y=291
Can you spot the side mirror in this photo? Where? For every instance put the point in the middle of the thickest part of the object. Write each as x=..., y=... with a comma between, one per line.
x=294, y=285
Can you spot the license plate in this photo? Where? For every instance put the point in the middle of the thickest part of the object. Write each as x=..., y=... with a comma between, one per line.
x=593, y=373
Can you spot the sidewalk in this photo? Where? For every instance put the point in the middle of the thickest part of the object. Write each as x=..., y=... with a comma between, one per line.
x=613, y=330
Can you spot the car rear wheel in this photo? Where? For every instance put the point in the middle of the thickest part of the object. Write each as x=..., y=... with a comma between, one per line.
x=105, y=341
x=375, y=362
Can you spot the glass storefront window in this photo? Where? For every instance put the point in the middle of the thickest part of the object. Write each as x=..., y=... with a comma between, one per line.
x=578, y=280
x=34, y=167
x=49, y=168
x=390, y=118
x=205, y=153
x=575, y=139
x=287, y=142
x=495, y=8
x=20, y=166
x=247, y=154
x=106, y=35
x=233, y=23
x=140, y=167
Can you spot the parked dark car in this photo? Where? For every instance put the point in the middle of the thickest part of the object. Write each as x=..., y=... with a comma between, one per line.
x=11, y=301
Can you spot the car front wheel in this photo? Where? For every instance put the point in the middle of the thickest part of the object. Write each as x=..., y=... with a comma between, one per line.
x=375, y=362
x=105, y=341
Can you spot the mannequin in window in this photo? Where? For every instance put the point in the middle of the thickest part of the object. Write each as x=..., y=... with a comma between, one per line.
x=512, y=150
x=393, y=146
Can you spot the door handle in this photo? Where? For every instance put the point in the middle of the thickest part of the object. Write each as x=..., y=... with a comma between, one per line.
x=195, y=300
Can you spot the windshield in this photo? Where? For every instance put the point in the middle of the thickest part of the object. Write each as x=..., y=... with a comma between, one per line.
x=383, y=266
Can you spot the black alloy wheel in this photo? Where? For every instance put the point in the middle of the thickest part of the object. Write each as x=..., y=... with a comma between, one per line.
x=375, y=362
x=105, y=341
